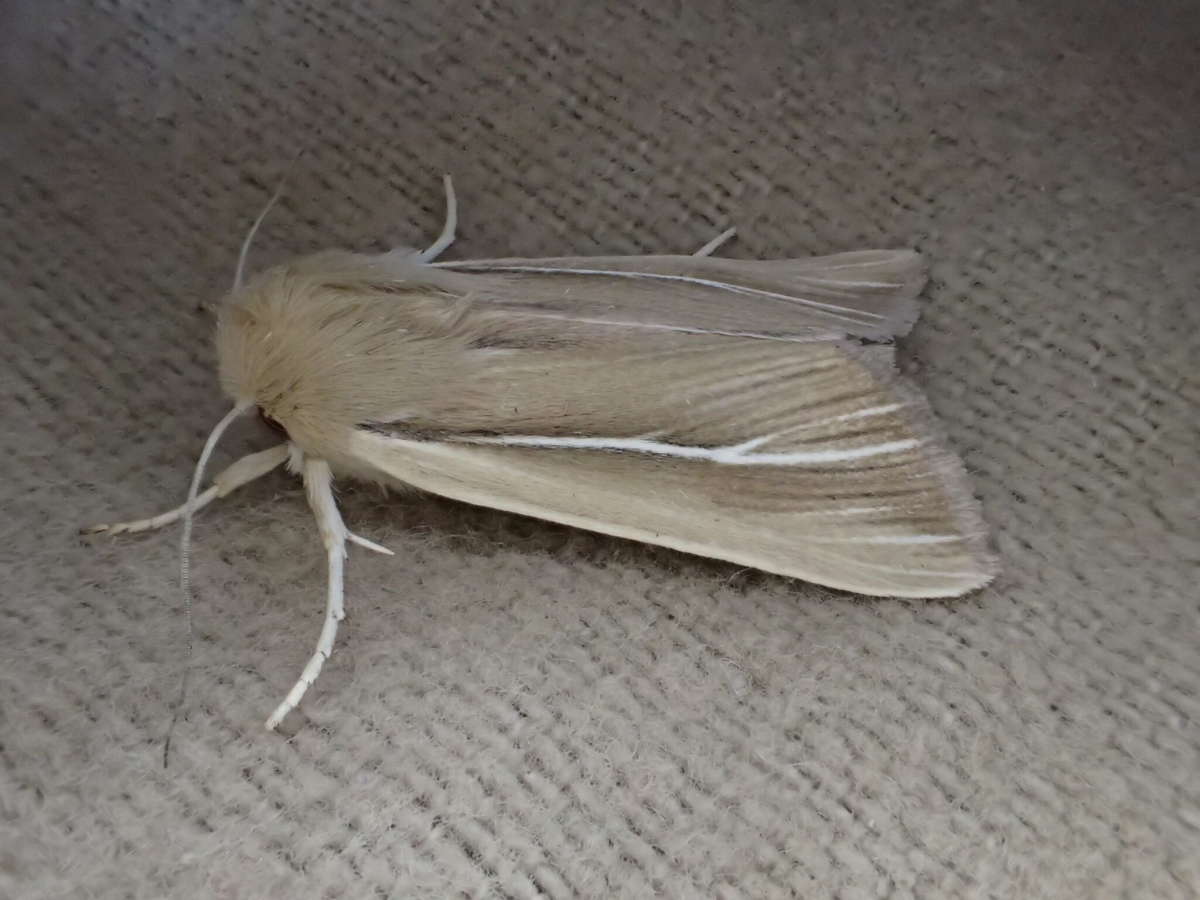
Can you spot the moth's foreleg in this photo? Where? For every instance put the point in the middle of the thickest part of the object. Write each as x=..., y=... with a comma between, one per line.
x=446, y=238
x=318, y=483
x=716, y=243
x=241, y=473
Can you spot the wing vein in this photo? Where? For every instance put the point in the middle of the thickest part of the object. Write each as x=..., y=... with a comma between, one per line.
x=734, y=454
x=838, y=311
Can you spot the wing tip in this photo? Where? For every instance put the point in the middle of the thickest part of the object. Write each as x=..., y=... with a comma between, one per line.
x=966, y=511
x=911, y=269
x=890, y=280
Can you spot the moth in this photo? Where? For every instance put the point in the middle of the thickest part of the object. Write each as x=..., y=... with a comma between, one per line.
x=748, y=411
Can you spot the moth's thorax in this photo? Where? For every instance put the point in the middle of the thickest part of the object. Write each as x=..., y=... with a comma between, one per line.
x=328, y=342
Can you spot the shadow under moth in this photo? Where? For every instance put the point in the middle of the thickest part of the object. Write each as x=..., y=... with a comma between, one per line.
x=744, y=410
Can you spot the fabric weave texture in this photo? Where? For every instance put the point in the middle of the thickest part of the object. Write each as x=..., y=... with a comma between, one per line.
x=520, y=710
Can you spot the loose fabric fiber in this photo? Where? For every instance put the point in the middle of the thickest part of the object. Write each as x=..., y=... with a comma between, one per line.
x=520, y=710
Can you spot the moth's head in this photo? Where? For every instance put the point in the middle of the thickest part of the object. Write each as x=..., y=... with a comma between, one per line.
x=336, y=338
x=247, y=344
x=269, y=337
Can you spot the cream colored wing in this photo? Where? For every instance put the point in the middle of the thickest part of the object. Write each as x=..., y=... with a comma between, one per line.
x=807, y=459
x=865, y=293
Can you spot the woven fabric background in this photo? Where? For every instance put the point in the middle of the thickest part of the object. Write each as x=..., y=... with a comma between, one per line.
x=518, y=710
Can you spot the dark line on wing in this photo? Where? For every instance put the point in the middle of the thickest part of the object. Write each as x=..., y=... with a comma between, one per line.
x=401, y=431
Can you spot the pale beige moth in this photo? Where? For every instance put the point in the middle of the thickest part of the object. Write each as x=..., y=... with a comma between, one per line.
x=748, y=411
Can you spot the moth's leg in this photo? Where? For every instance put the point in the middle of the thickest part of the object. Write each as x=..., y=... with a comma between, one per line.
x=370, y=545
x=446, y=238
x=318, y=483
x=716, y=243
x=242, y=472
x=295, y=460
x=295, y=465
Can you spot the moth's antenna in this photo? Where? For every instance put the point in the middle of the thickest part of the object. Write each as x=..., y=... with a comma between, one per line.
x=249, y=239
x=185, y=559
x=241, y=263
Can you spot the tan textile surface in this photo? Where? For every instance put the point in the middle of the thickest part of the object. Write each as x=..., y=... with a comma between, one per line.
x=519, y=710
